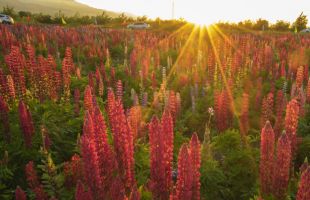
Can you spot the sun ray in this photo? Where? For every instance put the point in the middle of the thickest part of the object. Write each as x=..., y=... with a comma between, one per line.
x=182, y=51
x=230, y=96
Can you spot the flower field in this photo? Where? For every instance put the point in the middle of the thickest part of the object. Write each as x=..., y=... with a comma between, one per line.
x=91, y=113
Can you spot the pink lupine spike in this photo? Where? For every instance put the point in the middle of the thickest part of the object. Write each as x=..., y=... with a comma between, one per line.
x=303, y=186
x=185, y=181
x=196, y=160
x=291, y=123
x=20, y=194
x=88, y=99
x=266, y=158
x=4, y=119
x=282, y=167
x=26, y=123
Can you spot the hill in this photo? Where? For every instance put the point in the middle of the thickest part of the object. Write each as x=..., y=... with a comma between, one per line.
x=68, y=7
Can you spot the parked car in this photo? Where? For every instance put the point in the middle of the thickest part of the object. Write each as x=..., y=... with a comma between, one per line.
x=307, y=30
x=6, y=19
x=138, y=25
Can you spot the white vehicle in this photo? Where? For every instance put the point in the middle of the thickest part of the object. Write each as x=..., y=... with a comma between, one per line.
x=138, y=25
x=307, y=30
x=6, y=19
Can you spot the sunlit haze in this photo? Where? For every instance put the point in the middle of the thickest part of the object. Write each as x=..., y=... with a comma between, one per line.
x=209, y=11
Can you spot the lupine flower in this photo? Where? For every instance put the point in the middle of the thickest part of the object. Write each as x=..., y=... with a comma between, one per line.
x=16, y=66
x=26, y=123
x=135, y=120
x=117, y=190
x=20, y=194
x=185, y=181
x=73, y=171
x=172, y=105
x=223, y=114
x=4, y=86
x=11, y=89
x=282, y=167
x=119, y=90
x=299, y=76
x=106, y=157
x=303, y=187
x=123, y=139
x=66, y=67
x=33, y=182
x=266, y=158
x=90, y=158
x=267, y=109
x=196, y=160
x=4, y=119
x=88, y=99
x=291, y=122
x=134, y=195
x=81, y=194
x=308, y=91
x=161, y=145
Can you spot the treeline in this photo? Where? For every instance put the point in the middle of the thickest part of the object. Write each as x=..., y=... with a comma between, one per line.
x=121, y=20
x=77, y=19
x=263, y=25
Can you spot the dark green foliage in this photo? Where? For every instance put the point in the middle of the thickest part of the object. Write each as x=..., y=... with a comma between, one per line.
x=301, y=22
x=213, y=182
x=302, y=152
x=237, y=163
x=142, y=162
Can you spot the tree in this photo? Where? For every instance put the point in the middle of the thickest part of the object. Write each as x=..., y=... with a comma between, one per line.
x=103, y=18
x=9, y=11
x=24, y=13
x=301, y=22
x=261, y=24
x=248, y=24
x=281, y=25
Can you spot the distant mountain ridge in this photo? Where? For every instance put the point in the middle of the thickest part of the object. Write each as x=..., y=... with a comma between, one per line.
x=51, y=7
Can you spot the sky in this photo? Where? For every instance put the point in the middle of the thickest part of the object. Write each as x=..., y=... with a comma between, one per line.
x=209, y=11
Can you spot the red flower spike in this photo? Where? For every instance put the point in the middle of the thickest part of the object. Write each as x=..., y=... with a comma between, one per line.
x=81, y=194
x=26, y=123
x=123, y=139
x=4, y=119
x=73, y=171
x=185, y=181
x=291, y=122
x=266, y=158
x=88, y=99
x=161, y=145
x=303, y=187
x=11, y=89
x=33, y=182
x=282, y=167
x=119, y=90
x=90, y=164
x=308, y=91
x=196, y=160
x=20, y=194
x=135, y=194
x=299, y=76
